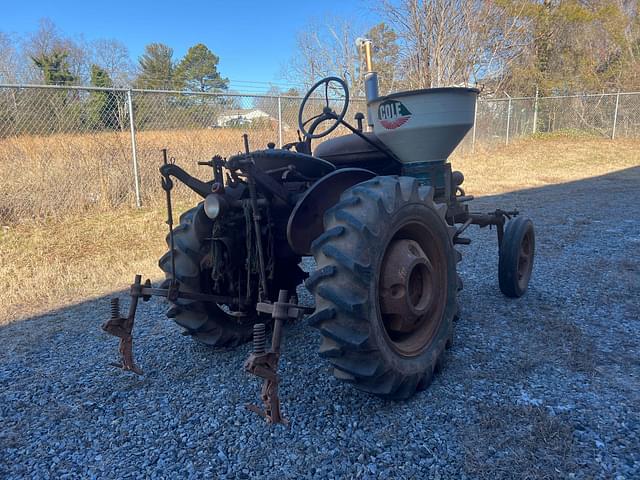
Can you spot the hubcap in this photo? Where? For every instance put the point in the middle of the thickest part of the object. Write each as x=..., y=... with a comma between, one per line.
x=407, y=286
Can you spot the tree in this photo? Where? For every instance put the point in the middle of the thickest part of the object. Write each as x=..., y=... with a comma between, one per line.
x=104, y=105
x=454, y=42
x=156, y=68
x=385, y=58
x=10, y=64
x=198, y=71
x=44, y=40
x=54, y=68
x=324, y=49
x=47, y=42
x=578, y=45
x=113, y=56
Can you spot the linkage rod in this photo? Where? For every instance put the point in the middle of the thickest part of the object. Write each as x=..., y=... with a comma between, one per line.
x=256, y=221
x=167, y=185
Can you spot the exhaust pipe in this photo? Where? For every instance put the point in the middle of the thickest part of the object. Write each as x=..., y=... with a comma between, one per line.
x=370, y=77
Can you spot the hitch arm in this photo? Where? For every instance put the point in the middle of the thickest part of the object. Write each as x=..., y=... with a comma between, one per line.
x=201, y=188
x=497, y=218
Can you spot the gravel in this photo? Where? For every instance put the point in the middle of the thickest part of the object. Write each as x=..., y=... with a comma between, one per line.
x=544, y=386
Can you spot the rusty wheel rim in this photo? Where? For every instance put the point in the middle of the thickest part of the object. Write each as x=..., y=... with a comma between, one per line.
x=525, y=260
x=412, y=289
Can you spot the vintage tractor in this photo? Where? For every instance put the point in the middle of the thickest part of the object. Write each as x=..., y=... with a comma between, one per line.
x=380, y=211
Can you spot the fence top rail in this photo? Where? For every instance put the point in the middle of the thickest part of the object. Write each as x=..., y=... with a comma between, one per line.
x=582, y=95
x=259, y=95
x=550, y=97
x=166, y=92
x=62, y=87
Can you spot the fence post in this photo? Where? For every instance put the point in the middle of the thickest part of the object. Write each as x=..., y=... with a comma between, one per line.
x=508, y=117
x=136, y=178
x=280, y=120
x=615, y=117
x=535, y=113
x=473, y=133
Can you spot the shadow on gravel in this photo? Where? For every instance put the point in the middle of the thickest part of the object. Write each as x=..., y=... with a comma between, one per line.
x=594, y=190
x=545, y=386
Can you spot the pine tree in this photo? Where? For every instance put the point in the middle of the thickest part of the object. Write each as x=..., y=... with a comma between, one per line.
x=156, y=68
x=103, y=105
x=55, y=68
x=198, y=71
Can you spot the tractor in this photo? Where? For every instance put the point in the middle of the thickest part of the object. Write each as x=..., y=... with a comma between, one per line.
x=381, y=212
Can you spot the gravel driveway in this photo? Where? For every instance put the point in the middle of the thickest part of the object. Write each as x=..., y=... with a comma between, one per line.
x=541, y=387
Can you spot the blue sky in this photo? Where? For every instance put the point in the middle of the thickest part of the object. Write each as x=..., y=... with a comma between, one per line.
x=254, y=39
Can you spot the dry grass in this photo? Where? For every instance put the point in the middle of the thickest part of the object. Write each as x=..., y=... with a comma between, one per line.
x=544, y=161
x=58, y=175
x=522, y=438
x=56, y=263
x=67, y=258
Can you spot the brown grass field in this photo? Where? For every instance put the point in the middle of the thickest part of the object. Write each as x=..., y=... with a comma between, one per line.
x=68, y=232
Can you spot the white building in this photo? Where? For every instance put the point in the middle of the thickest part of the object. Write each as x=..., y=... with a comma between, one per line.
x=234, y=118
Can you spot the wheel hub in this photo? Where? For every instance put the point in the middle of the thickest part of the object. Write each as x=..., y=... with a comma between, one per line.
x=407, y=288
x=524, y=261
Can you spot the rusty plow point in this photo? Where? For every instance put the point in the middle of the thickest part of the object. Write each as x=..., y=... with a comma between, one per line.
x=263, y=363
x=122, y=328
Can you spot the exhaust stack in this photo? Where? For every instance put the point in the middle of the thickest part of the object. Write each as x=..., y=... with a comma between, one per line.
x=370, y=77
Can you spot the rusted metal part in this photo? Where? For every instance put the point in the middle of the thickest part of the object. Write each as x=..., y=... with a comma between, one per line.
x=497, y=218
x=173, y=293
x=264, y=364
x=412, y=287
x=407, y=286
x=257, y=230
x=122, y=328
x=167, y=185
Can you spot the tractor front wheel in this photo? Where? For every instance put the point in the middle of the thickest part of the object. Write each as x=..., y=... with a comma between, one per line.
x=515, y=262
x=385, y=286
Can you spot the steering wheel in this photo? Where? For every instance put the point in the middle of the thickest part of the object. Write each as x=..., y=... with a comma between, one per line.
x=327, y=112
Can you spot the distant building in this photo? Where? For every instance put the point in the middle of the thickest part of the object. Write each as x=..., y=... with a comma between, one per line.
x=236, y=118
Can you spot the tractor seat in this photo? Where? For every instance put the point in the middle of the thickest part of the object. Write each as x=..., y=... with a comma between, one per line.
x=352, y=151
x=275, y=160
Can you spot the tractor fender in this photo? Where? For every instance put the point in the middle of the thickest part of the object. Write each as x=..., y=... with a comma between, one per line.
x=306, y=220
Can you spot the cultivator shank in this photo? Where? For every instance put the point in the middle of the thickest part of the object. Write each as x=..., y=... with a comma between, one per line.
x=263, y=363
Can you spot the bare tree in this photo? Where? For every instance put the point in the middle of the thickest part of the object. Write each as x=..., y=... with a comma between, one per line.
x=323, y=49
x=10, y=60
x=385, y=58
x=44, y=40
x=454, y=42
x=113, y=56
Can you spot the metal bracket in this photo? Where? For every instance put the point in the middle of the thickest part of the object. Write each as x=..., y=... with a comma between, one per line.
x=498, y=218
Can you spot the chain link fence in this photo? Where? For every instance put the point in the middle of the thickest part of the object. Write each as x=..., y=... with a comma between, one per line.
x=72, y=149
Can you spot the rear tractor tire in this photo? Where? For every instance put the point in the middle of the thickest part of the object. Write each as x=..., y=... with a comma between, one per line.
x=385, y=286
x=207, y=322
